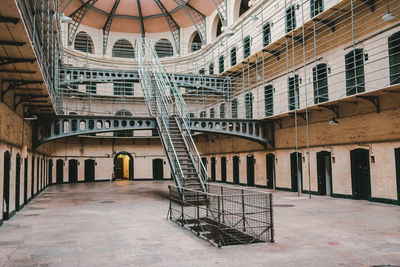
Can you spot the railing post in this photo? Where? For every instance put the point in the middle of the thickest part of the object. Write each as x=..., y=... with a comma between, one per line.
x=219, y=223
x=243, y=213
x=222, y=202
x=271, y=218
x=198, y=213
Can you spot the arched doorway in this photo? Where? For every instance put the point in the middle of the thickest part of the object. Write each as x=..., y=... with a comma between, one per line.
x=72, y=171
x=324, y=173
x=17, y=180
x=360, y=174
x=250, y=170
x=158, y=169
x=235, y=162
x=296, y=171
x=123, y=166
x=6, y=186
x=59, y=171
x=270, y=168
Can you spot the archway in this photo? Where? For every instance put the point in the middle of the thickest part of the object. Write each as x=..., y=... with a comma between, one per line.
x=158, y=169
x=195, y=42
x=123, y=165
x=6, y=186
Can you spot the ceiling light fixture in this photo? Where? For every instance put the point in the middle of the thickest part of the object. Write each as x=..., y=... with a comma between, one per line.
x=29, y=116
x=388, y=15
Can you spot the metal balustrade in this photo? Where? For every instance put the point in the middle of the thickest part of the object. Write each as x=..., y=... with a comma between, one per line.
x=50, y=129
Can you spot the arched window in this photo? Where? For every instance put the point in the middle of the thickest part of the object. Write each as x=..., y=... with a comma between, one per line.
x=246, y=47
x=320, y=82
x=234, y=109
x=123, y=48
x=244, y=6
x=355, y=82
x=221, y=64
x=248, y=101
x=216, y=27
x=196, y=42
x=290, y=19
x=293, y=92
x=124, y=113
x=124, y=88
x=84, y=43
x=269, y=100
x=219, y=27
x=233, y=56
x=212, y=113
x=211, y=69
x=164, y=48
x=222, y=111
x=394, y=58
x=316, y=6
x=266, y=34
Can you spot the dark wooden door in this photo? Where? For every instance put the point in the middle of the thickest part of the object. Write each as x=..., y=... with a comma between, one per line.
x=296, y=170
x=324, y=174
x=72, y=170
x=158, y=169
x=223, y=169
x=33, y=177
x=236, y=177
x=6, y=186
x=17, y=180
x=60, y=171
x=89, y=170
x=250, y=170
x=50, y=171
x=270, y=168
x=213, y=172
x=25, y=181
x=397, y=160
x=360, y=174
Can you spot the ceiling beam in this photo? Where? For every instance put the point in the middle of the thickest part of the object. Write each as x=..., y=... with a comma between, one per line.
x=9, y=20
x=107, y=26
x=12, y=60
x=17, y=71
x=77, y=17
x=173, y=26
x=11, y=43
x=141, y=19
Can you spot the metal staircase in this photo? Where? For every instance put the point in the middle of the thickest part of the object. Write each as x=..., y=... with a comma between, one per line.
x=166, y=104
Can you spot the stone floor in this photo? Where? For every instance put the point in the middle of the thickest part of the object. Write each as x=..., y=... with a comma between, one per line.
x=123, y=224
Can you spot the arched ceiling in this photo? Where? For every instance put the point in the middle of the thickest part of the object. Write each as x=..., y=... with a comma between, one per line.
x=135, y=16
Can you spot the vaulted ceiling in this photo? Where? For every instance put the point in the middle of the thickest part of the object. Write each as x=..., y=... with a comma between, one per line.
x=138, y=16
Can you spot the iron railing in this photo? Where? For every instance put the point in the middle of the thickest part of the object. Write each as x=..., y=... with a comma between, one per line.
x=224, y=215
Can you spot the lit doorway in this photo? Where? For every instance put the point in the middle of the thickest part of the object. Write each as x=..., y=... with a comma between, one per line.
x=123, y=166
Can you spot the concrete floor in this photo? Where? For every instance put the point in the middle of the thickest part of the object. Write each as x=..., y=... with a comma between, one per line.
x=123, y=224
